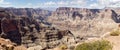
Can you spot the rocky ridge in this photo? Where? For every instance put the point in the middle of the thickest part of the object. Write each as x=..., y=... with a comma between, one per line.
x=29, y=12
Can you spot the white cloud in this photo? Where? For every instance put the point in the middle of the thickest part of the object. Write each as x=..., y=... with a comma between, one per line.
x=53, y=4
x=83, y=3
x=28, y=5
x=115, y=0
x=4, y=4
x=94, y=5
x=49, y=3
x=104, y=3
x=1, y=1
x=62, y=3
x=67, y=3
x=109, y=3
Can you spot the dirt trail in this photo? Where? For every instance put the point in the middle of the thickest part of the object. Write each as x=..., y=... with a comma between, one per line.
x=115, y=40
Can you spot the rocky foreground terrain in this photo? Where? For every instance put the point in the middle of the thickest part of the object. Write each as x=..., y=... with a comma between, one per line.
x=37, y=29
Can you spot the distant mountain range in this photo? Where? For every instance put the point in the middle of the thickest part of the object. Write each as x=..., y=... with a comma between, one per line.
x=28, y=12
x=61, y=11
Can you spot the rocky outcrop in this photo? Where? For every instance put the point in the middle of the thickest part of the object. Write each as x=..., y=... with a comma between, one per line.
x=6, y=44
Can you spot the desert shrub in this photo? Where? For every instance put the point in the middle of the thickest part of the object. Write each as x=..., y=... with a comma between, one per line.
x=115, y=33
x=9, y=48
x=71, y=47
x=63, y=47
x=97, y=45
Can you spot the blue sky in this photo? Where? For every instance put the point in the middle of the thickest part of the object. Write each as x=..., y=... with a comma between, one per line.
x=59, y=3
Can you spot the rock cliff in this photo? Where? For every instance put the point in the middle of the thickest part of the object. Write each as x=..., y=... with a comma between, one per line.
x=83, y=20
x=30, y=32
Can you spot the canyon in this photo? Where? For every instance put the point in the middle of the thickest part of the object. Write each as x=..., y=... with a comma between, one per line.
x=48, y=29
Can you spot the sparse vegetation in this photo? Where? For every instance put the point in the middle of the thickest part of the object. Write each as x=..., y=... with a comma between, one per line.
x=96, y=45
x=115, y=33
x=63, y=47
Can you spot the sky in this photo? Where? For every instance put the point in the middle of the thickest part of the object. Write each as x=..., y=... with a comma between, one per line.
x=59, y=3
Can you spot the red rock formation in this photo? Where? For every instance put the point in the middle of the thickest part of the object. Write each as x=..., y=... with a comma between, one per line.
x=9, y=25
